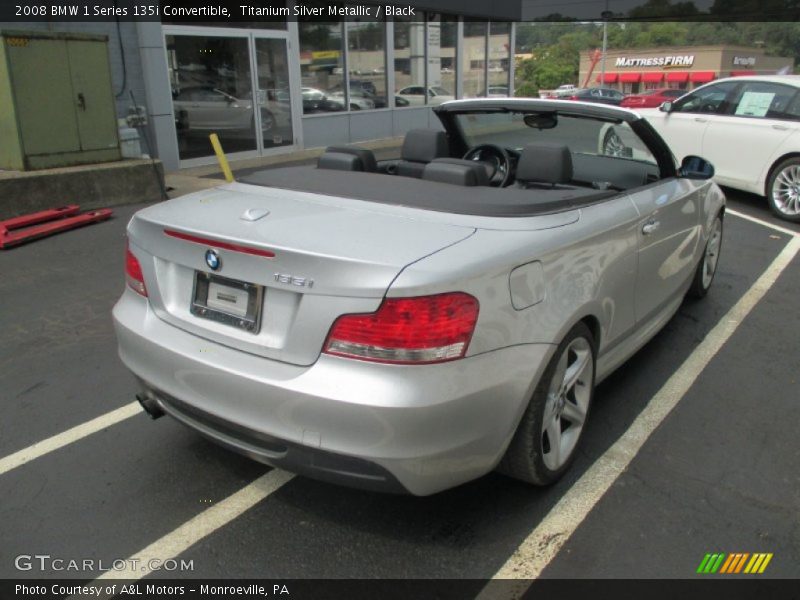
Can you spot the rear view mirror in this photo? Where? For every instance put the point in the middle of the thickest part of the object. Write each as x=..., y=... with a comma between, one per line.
x=666, y=107
x=541, y=120
x=694, y=167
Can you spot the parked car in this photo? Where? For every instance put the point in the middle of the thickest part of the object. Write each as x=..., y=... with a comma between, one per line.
x=310, y=93
x=358, y=101
x=565, y=90
x=204, y=109
x=412, y=324
x=495, y=91
x=651, y=98
x=599, y=95
x=415, y=94
x=357, y=86
x=749, y=128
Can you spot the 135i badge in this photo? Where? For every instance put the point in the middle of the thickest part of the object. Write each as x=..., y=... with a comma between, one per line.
x=292, y=280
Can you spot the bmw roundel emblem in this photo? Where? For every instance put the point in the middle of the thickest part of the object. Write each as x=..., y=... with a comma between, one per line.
x=213, y=260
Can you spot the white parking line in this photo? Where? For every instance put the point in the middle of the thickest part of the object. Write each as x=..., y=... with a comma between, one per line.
x=199, y=527
x=552, y=532
x=12, y=461
x=747, y=217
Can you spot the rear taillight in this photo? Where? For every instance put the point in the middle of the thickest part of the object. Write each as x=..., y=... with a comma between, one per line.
x=422, y=330
x=133, y=273
x=573, y=98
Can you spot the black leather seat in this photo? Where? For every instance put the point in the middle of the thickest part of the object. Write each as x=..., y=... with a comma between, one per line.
x=544, y=165
x=420, y=147
x=340, y=161
x=367, y=157
x=456, y=171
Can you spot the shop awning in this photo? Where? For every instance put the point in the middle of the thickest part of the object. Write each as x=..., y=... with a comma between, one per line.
x=742, y=73
x=629, y=77
x=607, y=78
x=679, y=76
x=702, y=76
x=652, y=77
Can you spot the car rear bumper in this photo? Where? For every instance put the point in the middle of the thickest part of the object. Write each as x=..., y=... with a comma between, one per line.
x=419, y=429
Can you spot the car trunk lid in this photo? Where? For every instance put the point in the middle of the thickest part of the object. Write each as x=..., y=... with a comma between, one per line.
x=305, y=259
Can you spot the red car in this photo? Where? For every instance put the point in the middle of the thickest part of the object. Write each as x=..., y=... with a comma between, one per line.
x=651, y=98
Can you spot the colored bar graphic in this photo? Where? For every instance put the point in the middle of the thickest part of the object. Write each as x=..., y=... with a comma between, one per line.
x=735, y=563
x=717, y=563
x=727, y=564
x=703, y=563
x=767, y=558
x=740, y=564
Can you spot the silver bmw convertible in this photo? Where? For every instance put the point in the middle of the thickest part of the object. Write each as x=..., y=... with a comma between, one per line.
x=411, y=324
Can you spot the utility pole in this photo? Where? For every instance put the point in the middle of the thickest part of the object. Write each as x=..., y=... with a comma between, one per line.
x=606, y=14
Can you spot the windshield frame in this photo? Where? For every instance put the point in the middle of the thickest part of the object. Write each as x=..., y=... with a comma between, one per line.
x=448, y=112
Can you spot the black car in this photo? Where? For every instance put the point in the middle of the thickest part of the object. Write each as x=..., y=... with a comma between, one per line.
x=600, y=95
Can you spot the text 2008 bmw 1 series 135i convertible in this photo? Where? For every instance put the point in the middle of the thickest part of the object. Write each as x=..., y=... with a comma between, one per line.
x=412, y=324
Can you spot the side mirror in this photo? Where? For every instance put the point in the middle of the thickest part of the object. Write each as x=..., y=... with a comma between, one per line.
x=666, y=107
x=694, y=167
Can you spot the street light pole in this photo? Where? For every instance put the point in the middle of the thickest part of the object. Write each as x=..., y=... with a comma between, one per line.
x=603, y=57
x=605, y=15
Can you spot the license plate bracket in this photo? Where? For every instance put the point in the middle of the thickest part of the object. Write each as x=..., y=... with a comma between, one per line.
x=228, y=301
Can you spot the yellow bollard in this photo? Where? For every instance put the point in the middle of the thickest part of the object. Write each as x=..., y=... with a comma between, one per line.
x=223, y=162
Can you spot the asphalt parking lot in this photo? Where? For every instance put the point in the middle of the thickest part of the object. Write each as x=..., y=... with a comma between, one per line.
x=718, y=473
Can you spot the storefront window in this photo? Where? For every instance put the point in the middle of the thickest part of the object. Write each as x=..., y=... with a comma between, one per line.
x=211, y=92
x=499, y=46
x=441, y=44
x=409, y=63
x=366, y=61
x=321, y=67
x=274, y=98
x=474, y=60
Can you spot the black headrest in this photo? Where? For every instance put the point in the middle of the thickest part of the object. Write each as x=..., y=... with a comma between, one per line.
x=456, y=171
x=423, y=145
x=367, y=157
x=339, y=161
x=544, y=163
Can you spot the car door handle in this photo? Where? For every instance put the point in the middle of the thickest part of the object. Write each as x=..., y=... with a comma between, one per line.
x=651, y=226
x=700, y=120
x=780, y=127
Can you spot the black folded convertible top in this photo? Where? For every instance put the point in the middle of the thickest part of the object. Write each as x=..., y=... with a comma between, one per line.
x=428, y=195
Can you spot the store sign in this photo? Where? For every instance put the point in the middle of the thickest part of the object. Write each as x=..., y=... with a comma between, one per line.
x=744, y=61
x=657, y=61
x=323, y=54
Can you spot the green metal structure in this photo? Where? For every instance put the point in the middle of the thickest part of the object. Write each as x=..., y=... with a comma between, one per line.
x=56, y=101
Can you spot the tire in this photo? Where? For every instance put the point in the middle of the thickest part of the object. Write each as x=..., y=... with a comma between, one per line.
x=558, y=406
x=707, y=267
x=783, y=190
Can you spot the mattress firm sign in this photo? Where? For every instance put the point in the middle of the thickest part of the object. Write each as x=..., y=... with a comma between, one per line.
x=657, y=61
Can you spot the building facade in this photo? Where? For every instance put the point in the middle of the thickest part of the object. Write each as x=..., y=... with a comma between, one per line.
x=683, y=67
x=268, y=87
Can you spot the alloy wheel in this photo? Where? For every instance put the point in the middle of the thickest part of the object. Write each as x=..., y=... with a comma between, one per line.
x=712, y=253
x=786, y=190
x=567, y=403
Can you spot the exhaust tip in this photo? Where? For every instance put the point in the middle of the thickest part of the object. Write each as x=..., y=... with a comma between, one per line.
x=150, y=405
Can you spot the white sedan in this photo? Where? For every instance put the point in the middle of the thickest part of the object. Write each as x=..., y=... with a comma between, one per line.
x=748, y=128
x=415, y=94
